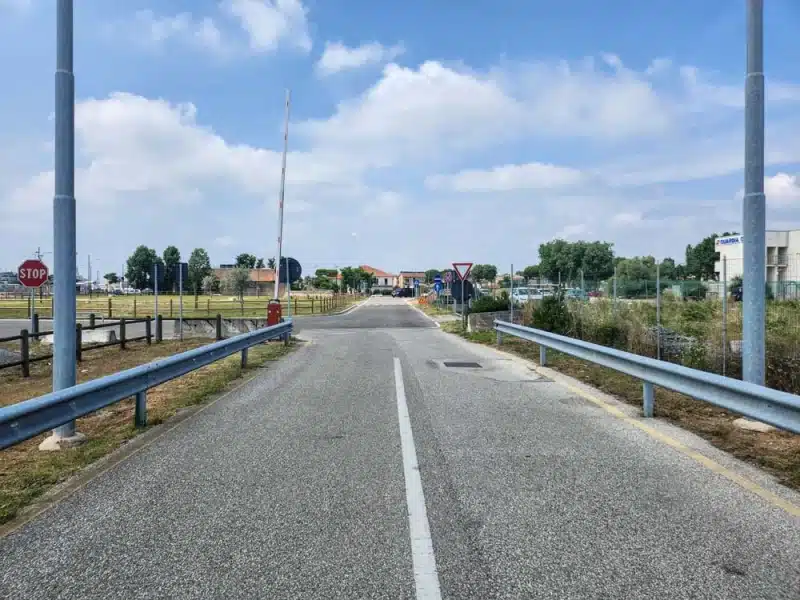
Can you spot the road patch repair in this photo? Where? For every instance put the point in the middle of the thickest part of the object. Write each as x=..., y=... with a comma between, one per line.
x=497, y=369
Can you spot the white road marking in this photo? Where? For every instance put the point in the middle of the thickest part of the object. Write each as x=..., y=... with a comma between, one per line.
x=424, y=314
x=426, y=578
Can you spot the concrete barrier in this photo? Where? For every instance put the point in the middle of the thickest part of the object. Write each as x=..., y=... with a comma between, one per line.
x=88, y=337
x=485, y=321
x=207, y=328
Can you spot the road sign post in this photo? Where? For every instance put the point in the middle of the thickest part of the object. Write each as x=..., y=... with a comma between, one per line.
x=32, y=274
x=462, y=270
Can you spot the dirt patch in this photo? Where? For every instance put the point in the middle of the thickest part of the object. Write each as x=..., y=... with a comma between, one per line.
x=777, y=452
x=26, y=473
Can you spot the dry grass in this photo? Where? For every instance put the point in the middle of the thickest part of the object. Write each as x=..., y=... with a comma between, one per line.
x=26, y=473
x=777, y=452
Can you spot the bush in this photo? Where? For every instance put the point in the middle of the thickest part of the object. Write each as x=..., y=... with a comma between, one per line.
x=552, y=315
x=489, y=304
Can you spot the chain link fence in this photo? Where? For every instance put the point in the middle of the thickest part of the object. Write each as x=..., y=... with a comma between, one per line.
x=694, y=323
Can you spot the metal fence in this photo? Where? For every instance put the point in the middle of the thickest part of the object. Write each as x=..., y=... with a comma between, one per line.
x=24, y=420
x=757, y=402
x=693, y=323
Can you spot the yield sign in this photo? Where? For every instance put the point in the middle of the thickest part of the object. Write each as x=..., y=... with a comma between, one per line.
x=462, y=270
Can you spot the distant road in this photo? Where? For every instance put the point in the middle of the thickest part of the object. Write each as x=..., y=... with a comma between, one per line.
x=387, y=459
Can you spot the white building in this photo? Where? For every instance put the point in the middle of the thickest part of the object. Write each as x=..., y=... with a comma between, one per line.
x=783, y=256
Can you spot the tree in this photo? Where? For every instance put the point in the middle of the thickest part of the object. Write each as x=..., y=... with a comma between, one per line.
x=271, y=263
x=561, y=259
x=211, y=284
x=172, y=257
x=246, y=260
x=531, y=272
x=667, y=269
x=260, y=263
x=199, y=267
x=700, y=259
x=237, y=280
x=431, y=274
x=139, y=272
x=481, y=273
x=354, y=277
x=111, y=278
x=598, y=260
x=322, y=278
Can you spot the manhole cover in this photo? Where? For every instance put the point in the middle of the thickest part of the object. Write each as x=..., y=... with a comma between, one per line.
x=461, y=365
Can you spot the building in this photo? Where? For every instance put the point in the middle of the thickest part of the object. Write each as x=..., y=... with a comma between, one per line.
x=783, y=256
x=382, y=281
x=262, y=281
x=406, y=278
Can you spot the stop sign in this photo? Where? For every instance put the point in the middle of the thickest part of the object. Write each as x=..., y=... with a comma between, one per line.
x=32, y=273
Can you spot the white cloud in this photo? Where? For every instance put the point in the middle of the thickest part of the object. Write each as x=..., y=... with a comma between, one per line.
x=271, y=22
x=782, y=190
x=224, y=241
x=421, y=145
x=337, y=57
x=508, y=177
x=153, y=30
x=266, y=25
x=627, y=218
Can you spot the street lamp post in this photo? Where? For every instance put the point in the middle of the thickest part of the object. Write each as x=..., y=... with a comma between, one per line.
x=64, y=319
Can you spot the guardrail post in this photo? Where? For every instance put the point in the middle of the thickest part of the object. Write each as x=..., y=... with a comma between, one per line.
x=159, y=329
x=140, y=412
x=110, y=313
x=648, y=398
x=35, y=322
x=78, y=342
x=148, y=330
x=219, y=326
x=122, y=333
x=244, y=358
x=25, y=351
x=542, y=355
x=91, y=320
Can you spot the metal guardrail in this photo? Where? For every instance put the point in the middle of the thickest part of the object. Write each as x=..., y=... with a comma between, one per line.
x=24, y=420
x=774, y=407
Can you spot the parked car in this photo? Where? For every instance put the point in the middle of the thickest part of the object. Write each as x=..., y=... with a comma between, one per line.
x=576, y=294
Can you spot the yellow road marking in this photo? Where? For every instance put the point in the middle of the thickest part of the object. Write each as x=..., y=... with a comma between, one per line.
x=710, y=464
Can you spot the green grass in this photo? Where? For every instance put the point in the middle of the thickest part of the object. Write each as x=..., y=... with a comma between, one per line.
x=26, y=473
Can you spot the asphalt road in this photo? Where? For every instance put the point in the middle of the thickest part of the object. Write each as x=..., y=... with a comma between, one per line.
x=362, y=466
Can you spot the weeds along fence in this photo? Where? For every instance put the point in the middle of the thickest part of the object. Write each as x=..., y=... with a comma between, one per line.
x=133, y=307
x=704, y=334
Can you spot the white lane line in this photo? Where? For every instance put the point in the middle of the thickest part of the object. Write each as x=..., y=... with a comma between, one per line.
x=424, y=314
x=426, y=577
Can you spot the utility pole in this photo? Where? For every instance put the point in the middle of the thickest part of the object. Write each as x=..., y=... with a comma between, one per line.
x=64, y=322
x=89, y=274
x=281, y=197
x=754, y=210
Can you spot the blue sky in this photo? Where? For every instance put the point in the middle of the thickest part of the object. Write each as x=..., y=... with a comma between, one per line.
x=421, y=132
